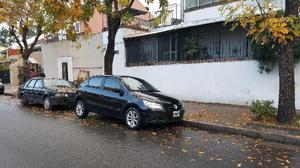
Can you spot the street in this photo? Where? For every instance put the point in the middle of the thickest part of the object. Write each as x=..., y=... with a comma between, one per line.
x=33, y=140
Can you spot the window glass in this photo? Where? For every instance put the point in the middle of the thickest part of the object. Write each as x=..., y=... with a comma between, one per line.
x=95, y=82
x=31, y=83
x=111, y=83
x=52, y=83
x=138, y=85
x=26, y=84
x=38, y=84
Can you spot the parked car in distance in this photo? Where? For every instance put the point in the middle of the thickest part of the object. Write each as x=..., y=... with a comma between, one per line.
x=48, y=92
x=1, y=87
x=131, y=99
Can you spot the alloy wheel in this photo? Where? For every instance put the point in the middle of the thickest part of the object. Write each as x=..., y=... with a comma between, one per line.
x=47, y=104
x=133, y=118
x=79, y=108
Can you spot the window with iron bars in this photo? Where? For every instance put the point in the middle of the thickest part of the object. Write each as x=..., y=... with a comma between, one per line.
x=213, y=41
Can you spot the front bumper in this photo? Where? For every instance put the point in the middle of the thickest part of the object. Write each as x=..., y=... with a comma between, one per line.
x=161, y=117
x=62, y=101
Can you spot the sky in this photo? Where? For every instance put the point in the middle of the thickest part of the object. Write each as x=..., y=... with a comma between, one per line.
x=155, y=6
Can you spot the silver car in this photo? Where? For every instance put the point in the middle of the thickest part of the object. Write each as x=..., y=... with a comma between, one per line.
x=1, y=87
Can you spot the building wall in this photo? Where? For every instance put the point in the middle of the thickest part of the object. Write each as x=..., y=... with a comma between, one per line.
x=236, y=82
x=213, y=13
x=86, y=54
x=99, y=21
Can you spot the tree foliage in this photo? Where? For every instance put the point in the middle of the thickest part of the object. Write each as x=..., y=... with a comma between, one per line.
x=264, y=22
x=117, y=12
x=267, y=56
x=40, y=17
x=267, y=24
x=5, y=38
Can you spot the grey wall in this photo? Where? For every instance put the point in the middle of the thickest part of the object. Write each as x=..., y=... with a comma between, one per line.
x=86, y=54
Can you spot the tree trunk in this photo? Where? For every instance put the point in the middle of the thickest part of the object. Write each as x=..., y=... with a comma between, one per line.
x=286, y=106
x=114, y=23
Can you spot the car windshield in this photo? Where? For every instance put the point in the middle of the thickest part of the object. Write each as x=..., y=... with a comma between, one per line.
x=139, y=85
x=52, y=83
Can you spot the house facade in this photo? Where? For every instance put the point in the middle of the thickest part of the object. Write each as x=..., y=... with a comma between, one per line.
x=74, y=61
x=200, y=59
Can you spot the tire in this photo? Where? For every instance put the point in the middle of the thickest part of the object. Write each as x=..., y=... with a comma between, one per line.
x=47, y=104
x=23, y=102
x=133, y=118
x=80, y=109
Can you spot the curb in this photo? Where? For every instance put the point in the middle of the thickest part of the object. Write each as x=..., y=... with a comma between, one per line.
x=10, y=94
x=244, y=132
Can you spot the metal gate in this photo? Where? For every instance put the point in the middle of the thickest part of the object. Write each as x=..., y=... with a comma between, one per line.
x=5, y=76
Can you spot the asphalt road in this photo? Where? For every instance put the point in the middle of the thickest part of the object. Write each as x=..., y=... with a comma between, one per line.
x=31, y=138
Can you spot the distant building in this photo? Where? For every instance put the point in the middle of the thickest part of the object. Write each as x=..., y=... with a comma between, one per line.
x=68, y=60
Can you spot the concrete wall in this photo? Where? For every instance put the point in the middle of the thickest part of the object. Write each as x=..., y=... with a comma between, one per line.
x=220, y=82
x=86, y=54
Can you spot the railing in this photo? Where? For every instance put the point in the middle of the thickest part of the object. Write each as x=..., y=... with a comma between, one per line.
x=196, y=3
x=189, y=4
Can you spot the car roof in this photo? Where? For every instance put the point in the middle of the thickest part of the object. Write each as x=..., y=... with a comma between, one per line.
x=116, y=76
x=35, y=78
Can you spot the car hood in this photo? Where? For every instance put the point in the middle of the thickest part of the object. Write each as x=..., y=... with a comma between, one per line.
x=156, y=97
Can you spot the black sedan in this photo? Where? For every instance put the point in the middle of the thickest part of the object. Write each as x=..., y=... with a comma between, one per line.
x=129, y=98
x=1, y=87
x=48, y=92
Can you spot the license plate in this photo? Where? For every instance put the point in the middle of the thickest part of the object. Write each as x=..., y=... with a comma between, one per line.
x=176, y=113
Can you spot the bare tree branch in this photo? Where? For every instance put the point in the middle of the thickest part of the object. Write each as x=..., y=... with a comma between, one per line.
x=262, y=11
x=24, y=37
x=116, y=5
x=36, y=39
x=13, y=33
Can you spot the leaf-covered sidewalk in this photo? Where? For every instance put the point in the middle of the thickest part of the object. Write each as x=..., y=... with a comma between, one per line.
x=235, y=116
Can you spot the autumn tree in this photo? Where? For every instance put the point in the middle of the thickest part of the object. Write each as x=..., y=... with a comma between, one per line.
x=266, y=23
x=117, y=12
x=38, y=16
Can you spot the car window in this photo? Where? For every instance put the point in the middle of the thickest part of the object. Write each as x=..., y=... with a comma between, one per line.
x=95, y=82
x=139, y=85
x=111, y=84
x=31, y=84
x=38, y=84
x=53, y=83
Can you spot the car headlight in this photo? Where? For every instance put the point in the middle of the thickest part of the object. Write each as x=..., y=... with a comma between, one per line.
x=152, y=105
x=61, y=95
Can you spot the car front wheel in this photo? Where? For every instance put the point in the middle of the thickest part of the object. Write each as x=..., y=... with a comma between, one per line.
x=80, y=109
x=133, y=118
x=47, y=104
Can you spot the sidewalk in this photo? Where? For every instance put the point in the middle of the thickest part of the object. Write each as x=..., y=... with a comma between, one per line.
x=10, y=90
x=236, y=119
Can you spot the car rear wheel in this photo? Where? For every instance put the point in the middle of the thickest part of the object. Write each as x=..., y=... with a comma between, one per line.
x=133, y=118
x=47, y=104
x=80, y=109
